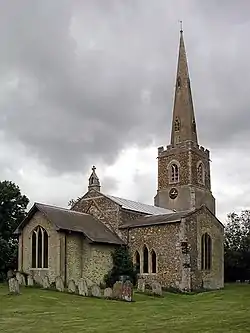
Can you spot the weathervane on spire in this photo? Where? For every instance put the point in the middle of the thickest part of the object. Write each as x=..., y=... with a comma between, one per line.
x=181, y=26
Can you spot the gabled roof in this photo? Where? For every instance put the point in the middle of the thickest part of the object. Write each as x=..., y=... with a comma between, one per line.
x=156, y=219
x=66, y=219
x=138, y=206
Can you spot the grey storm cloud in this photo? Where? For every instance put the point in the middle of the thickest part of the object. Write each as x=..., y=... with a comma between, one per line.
x=80, y=81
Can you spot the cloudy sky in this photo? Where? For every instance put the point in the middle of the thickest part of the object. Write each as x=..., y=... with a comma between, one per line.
x=91, y=82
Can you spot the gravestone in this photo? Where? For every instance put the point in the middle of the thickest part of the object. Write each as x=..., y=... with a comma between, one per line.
x=238, y=281
x=71, y=287
x=117, y=290
x=10, y=274
x=108, y=293
x=156, y=288
x=21, y=279
x=82, y=287
x=95, y=291
x=59, y=283
x=127, y=291
x=30, y=281
x=141, y=285
x=13, y=286
x=246, y=281
x=45, y=282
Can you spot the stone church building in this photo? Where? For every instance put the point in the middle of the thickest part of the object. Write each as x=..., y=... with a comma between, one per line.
x=178, y=241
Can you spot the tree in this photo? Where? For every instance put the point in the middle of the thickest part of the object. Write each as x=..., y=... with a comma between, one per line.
x=237, y=246
x=12, y=211
x=122, y=266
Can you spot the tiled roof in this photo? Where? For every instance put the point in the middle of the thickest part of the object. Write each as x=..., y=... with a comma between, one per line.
x=139, y=207
x=156, y=219
x=66, y=219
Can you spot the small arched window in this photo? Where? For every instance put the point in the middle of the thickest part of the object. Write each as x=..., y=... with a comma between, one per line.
x=206, y=252
x=153, y=261
x=200, y=173
x=174, y=173
x=39, y=248
x=178, y=82
x=145, y=259
x=177, y=124
x=137, y=261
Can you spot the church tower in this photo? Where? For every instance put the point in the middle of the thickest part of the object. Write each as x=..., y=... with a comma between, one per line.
x=184, y=166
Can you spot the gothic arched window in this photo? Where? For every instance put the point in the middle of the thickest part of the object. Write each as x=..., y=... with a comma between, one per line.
x=177, y=124
x=174, y=173
x=137, y=261
x=200, y=173
x=145, y=259
x=153, y=261
x=206, y=252
x=39, y=248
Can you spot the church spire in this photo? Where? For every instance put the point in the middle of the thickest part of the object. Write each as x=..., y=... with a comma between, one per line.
x=183, y=122
x=94, y=183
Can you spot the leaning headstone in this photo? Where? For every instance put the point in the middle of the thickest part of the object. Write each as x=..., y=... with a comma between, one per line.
x=20, y=278
x=141, y=285
x=156, y=288
x=59, y=283
x=30, y=281
x=108, y=293
x=45, y=282
x=127, y=291
x=71, y=287
x=117, y=290
x=95, y=291
x=13, y=286
x=83, y=287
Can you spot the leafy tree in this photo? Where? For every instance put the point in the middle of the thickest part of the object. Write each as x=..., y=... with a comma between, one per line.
x=122, y=266
x=12, y=211
x=237, y=246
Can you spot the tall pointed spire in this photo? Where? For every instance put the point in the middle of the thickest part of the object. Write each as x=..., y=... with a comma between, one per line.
x=94, y=183
x=183, y=122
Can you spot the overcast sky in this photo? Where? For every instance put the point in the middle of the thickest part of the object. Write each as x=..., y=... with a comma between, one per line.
x=91, y=82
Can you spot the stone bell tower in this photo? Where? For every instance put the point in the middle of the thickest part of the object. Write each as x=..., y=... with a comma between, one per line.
x=183, y=166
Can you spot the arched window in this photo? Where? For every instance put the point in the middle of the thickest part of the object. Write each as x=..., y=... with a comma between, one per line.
x=137, y=261
x=153, y=261
x=39, y=248
x=206, y=252
x=174, y=173
x=177, y=124
x=178, y=82
x=145, y=259
x=200, y=173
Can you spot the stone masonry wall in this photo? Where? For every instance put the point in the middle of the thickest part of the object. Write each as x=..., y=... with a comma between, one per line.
x=164, y=240
x=204, y=222
x=53, y=244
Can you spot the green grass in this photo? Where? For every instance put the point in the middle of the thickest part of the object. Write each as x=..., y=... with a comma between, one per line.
x=39, y=311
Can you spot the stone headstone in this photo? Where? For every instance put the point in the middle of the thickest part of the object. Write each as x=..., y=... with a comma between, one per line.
x=10, y=274
x=21, y=279
x=13, y=286
x=117, y=290
x=45, y=282
x=246, y=281
x=30, y=281
x=141, y=285
x=71, y=287
x=127, y=291
x=83, y=287
x=156, y=288
x=59, y=283
x=95, y=291
x=108, y=292
x=237, y=281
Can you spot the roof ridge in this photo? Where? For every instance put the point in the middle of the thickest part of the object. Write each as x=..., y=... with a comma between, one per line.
x=60, y=208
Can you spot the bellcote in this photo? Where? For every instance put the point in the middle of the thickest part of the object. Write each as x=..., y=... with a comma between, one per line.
x=94, y=183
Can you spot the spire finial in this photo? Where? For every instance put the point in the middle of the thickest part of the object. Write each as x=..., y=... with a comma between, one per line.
x=93, y=168
x=181, y=26
x=94, y=182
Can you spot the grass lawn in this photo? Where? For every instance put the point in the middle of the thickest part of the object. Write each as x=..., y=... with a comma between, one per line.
x=39, y=311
